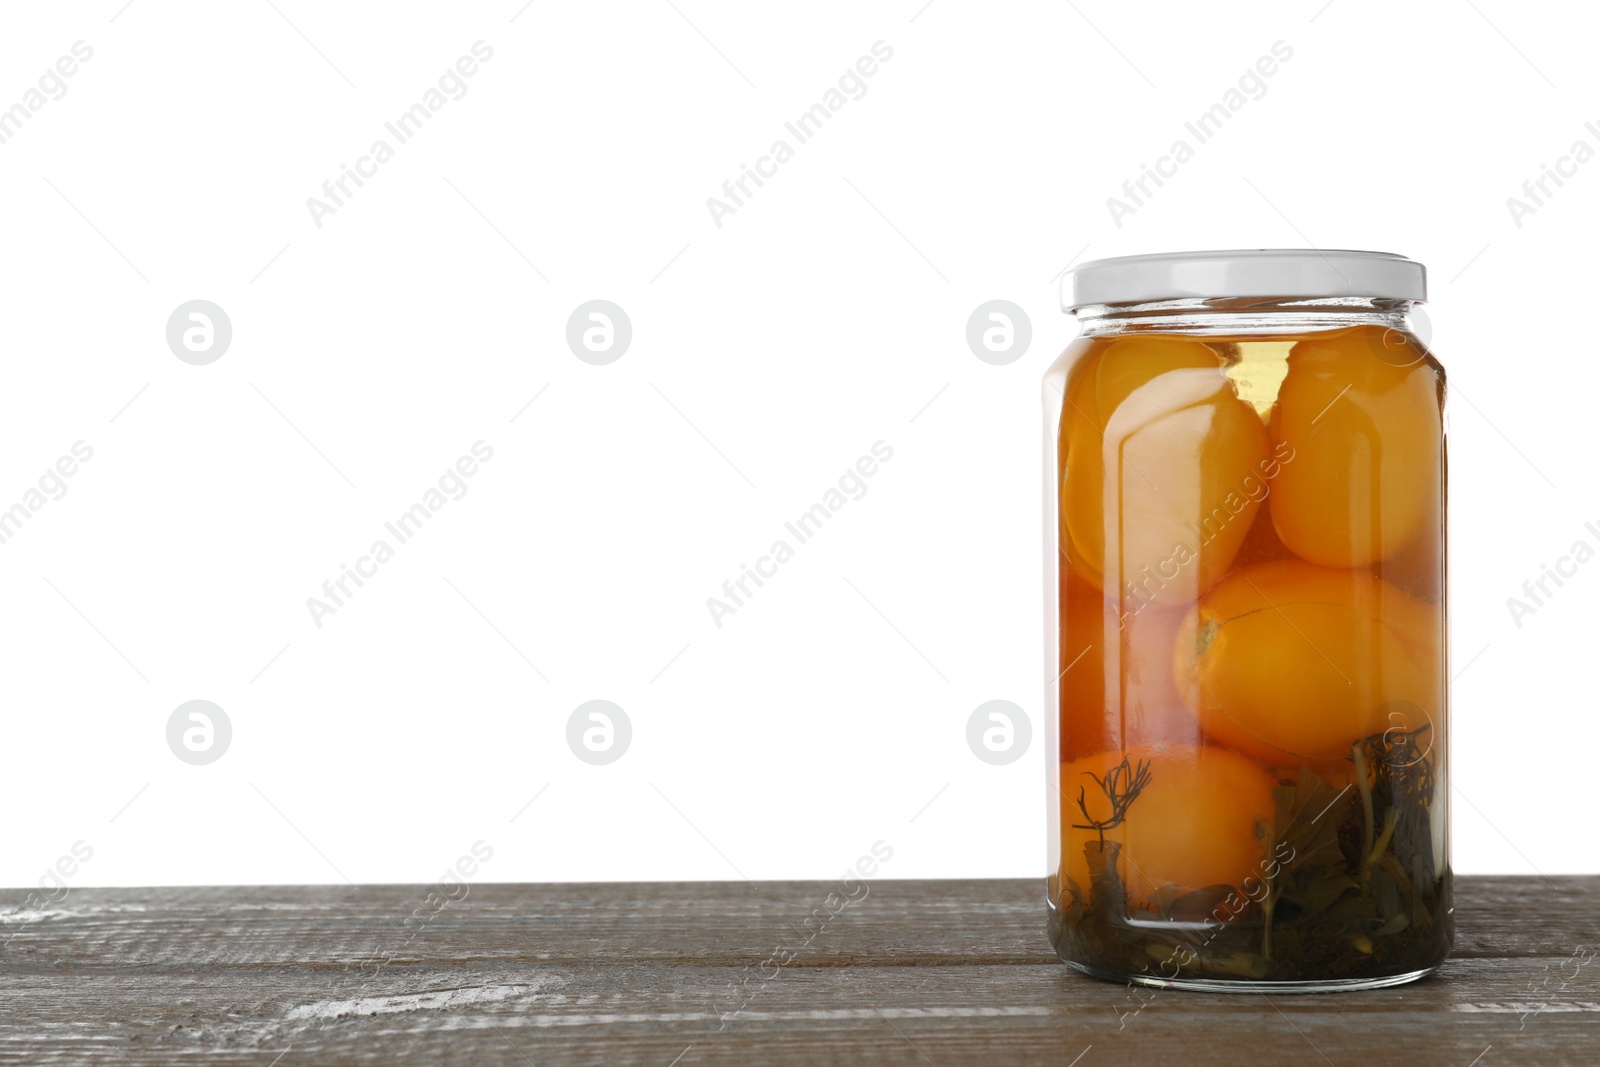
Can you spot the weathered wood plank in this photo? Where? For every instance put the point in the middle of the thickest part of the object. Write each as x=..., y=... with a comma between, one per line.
x=942, y=972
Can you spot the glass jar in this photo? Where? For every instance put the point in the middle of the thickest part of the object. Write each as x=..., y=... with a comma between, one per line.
x=1245, y=566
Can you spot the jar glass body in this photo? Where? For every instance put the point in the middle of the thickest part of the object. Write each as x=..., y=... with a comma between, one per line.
x=1247, y=646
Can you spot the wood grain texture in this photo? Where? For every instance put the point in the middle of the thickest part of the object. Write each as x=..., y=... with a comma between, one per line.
x=943, y=973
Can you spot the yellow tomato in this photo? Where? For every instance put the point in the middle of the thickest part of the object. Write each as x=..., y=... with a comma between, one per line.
x=1204, y=819
x=1162, y=466
x=1291, y=663
x=1360, y=411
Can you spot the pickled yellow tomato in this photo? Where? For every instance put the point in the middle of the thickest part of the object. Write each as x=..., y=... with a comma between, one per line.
x=1204, y=819
x=1294, y=663
x=1164, y=468
x=1360, y=411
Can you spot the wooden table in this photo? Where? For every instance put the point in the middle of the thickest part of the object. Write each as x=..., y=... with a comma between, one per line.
x=941, y=973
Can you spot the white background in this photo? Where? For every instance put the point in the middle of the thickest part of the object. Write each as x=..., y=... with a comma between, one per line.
x=768, y=354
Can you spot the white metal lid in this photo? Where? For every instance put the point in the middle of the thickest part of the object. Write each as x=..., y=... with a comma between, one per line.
x=1247, y=272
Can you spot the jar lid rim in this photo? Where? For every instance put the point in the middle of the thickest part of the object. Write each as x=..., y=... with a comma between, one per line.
x=1244, y=272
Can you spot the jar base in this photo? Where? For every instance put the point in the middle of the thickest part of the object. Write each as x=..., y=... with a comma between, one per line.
x=1233, y=985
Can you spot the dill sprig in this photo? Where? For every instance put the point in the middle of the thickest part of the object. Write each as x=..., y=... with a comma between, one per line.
x=1121, y=785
